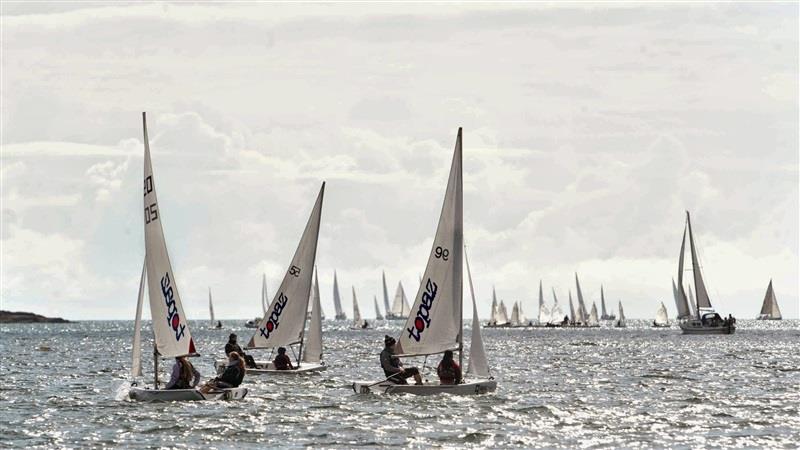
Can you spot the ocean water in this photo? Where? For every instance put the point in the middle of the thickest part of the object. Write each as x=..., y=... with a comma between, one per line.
x=592, y=388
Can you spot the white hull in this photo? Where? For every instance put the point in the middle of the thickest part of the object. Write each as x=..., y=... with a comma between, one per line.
x=267, y=368
x=695, y=327
x=185, y=395
x=472, y=388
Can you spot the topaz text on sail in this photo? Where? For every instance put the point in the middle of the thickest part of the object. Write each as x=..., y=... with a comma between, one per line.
x=272, y=322
x=173, y=318
x=423, y=318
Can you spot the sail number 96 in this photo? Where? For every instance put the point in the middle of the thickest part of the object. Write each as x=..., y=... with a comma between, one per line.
x=441, y=253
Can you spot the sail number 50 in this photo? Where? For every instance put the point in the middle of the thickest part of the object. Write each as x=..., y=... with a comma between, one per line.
x=441, y=253
x=294, y=270
x=150, y=213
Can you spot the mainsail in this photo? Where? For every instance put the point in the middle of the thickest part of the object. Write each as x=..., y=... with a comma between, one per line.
x=582, y=315
x=477, y=364
x=337, y=301
x=378, y=315
x=703, y=302
x=357, y=322
x=435, y=322
x=170, y=325
x=661, y=315
x=572, y=317
x=502, y=314
x=593, y=315
x=400, y=308
x=385, y=294
x=556, y=314
x=621, y=314
x=493, y=315
x=136, y=366
x=312, y=350
x=286, y=315
x=603, y=313
x=544, y=313
x=515, y=315
x=769, y=309
x=680, y=300
x=211, y=308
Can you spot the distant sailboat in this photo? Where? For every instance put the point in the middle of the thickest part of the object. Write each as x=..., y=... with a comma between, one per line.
x=583, y=316
x=211, y=308
x=621, y=322
x=285, y=323
x=769, y=309
x=496, y=319
x=385, y=296
x=170, y=324
x=603, y=314
x=544, y=312
x=708, y=322
x=436, y=325
x=400, y=309
x=358, y=322
x=337, y=301
x=502, y=314
x=662, y=320
x=572, y=317
x=593, y=320
x=556, y=314
x=515, y=316
x=378, y=315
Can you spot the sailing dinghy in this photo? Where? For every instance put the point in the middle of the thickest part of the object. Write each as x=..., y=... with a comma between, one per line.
x=170, y=325
x=337, y=300
x=706, y=320
x=662, y=320
x=499, y=317
x=435, y=324
x=285, y=322
x=769, y=309
x=400, y=309
x=593, y=322
x=378, y=315
x=214, y=323
x=620, y=323
x=603, y=315
x=358, y=322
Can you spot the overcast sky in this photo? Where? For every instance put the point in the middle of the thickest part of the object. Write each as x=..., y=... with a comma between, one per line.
x=588, y=131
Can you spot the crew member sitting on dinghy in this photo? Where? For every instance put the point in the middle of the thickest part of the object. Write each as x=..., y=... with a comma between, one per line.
x=449, y=371
x=282, y=362
x=184, y=375
x=232, y=346
x=393, y=368
x=232, y=376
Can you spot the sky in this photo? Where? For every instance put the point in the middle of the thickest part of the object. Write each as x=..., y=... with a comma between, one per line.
x=589, y=130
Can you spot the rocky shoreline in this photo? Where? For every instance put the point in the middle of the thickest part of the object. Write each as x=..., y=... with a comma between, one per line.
x=26, y=317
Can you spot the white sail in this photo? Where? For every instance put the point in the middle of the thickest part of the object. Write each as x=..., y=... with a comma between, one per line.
x=434, y=324
x=502, y=314
x=515, y=315
x=693, y=304
x=523, y=320
x=385, y=294
x=703, y=302
x=621, y=315
x=136, y=366
x=544, y=314
x=378, y=315
x=477, y=364
x=680, y=301
x=337, y=301
x=357, y=322
x=769, y=308
x=312, y=348
x=286, y=315
x=264, y=294
x=170, y=324
x=400, y=307
x=661, y=315
x=603, y=312
x=211, y=308
x=493, y=316
x=593, y=315
x=583, y=317
x=572, y=316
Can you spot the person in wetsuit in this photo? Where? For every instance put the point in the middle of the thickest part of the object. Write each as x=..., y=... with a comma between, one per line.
x=282, y=361
x=393, y=368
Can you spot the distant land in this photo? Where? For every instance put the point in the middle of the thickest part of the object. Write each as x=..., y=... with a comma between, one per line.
x=26, y=317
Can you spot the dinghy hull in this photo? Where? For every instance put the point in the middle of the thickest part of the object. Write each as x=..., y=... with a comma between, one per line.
x=185, y=395
x=472, y=388
x=267, y=368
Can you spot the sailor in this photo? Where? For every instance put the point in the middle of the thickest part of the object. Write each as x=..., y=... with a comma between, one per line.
x=232, y=376
x=393, y=368
x=232, y=346
x=184, y=375
x=282, y=362
x=449, y=371
x=219, y=324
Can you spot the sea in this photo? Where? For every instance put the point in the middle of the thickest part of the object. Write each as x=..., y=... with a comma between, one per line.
x=65, y=386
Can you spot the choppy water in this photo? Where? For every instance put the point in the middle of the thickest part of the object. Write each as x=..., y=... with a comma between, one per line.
x=634, y=387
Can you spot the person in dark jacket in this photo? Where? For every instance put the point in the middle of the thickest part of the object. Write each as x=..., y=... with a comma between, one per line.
x=231, y=377
x=393, y=368
x=449, y=371
x=282, y=362
x=232, y=346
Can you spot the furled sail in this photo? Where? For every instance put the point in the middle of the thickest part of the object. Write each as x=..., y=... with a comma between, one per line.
x=286, y=316
x=434, y=324
x=477, y=364
x=170, y=324
x=136, y=366
x=337, y=301
x=312, y=348
x=661, y=315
